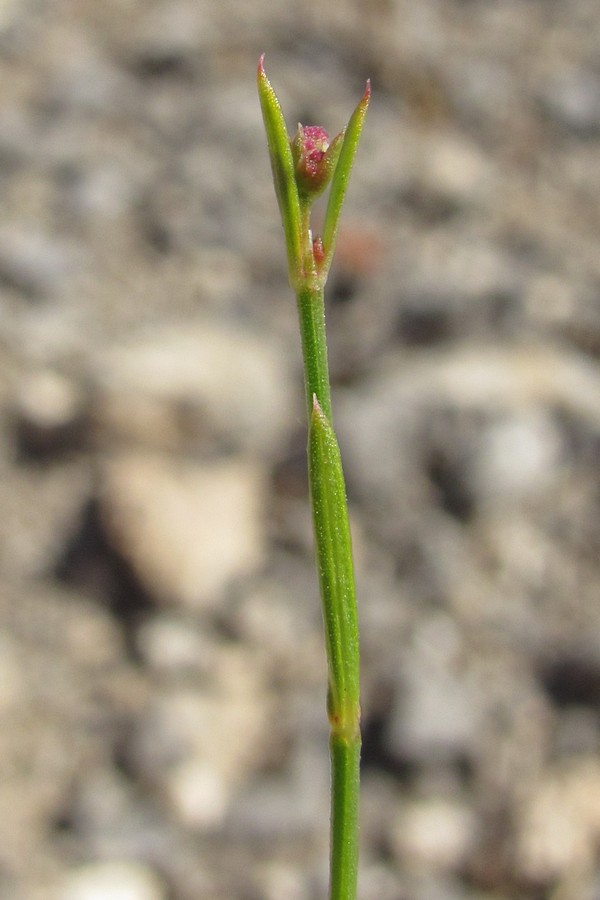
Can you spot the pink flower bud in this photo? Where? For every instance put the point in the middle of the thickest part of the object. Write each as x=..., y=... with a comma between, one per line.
x=314, y=158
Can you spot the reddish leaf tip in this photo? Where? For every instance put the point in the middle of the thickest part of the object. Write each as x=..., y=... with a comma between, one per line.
x=367, y=94
x=261, y=66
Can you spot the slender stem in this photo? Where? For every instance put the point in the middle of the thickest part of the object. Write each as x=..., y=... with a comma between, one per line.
x=336, y=579
x=311, y=313
x=345, y=775
x=299, y=176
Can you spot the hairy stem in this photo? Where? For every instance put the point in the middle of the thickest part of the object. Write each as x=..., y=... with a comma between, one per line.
x=311, y=314
x=336, y=579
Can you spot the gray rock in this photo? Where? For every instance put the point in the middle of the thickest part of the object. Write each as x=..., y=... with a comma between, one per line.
x=435, y=718
x=35, y=263
x=198, y=747
x=204, y=383
x=573, y=98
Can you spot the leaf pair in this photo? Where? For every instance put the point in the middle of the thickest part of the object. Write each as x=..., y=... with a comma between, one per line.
x=302, y=169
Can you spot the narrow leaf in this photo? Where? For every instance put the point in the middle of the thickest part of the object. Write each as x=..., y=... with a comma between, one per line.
x=282, y=165
x=336, y=573
x=341, y=175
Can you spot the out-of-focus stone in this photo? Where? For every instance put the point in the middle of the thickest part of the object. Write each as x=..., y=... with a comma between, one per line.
x=188, y=530
x=518, y=456
x=377, y=881
x=435, y=717
x=173, y=646
x=280, y=880
x=34, y=263
x=433, y=833
x=380, y=425
x=454, y=169
x=559, y=822
x=197, y=386
x=125, y=880
x=170, y=32
x=198, y=794
x=49, y=410
x=573, y=98
x=48, y=400
x=197, y=747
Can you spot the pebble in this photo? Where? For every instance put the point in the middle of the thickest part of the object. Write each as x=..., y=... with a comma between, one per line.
x=49, y=413
x=33, y=262
x=280, y=880
x=454, y=169
x=198, y=794
x=126, y=880
x=559, y=822
x=188, y=741
x=435, y=717
x=171, y=32
x=381, y=425
x=517, y=456
x=188, y=529
x=433, y=834
x=169, y=645
x=573, y=98
x=196, y=386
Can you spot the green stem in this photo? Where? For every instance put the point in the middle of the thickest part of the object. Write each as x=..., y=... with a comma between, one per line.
x=299, y=176
x=345, y=776
x=336, y=579
x=311, y=313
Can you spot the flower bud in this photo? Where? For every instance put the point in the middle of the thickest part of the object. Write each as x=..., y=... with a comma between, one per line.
x=314, y=159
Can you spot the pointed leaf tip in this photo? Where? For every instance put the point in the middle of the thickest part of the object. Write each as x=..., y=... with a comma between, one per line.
x=318, y=417
x=282, y=165
x=341, y=175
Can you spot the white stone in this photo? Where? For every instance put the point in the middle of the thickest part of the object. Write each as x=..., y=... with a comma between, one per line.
x=434, y=833
x=559, y=822
x=519, y=455
x=198, y=794
x=187, y=529
x=125, y=880
x=48, y=400
x=280, y=880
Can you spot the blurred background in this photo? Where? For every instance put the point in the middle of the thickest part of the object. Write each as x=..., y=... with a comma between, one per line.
x=163, y=732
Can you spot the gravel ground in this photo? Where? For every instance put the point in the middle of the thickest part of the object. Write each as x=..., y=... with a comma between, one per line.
x=162, y=733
